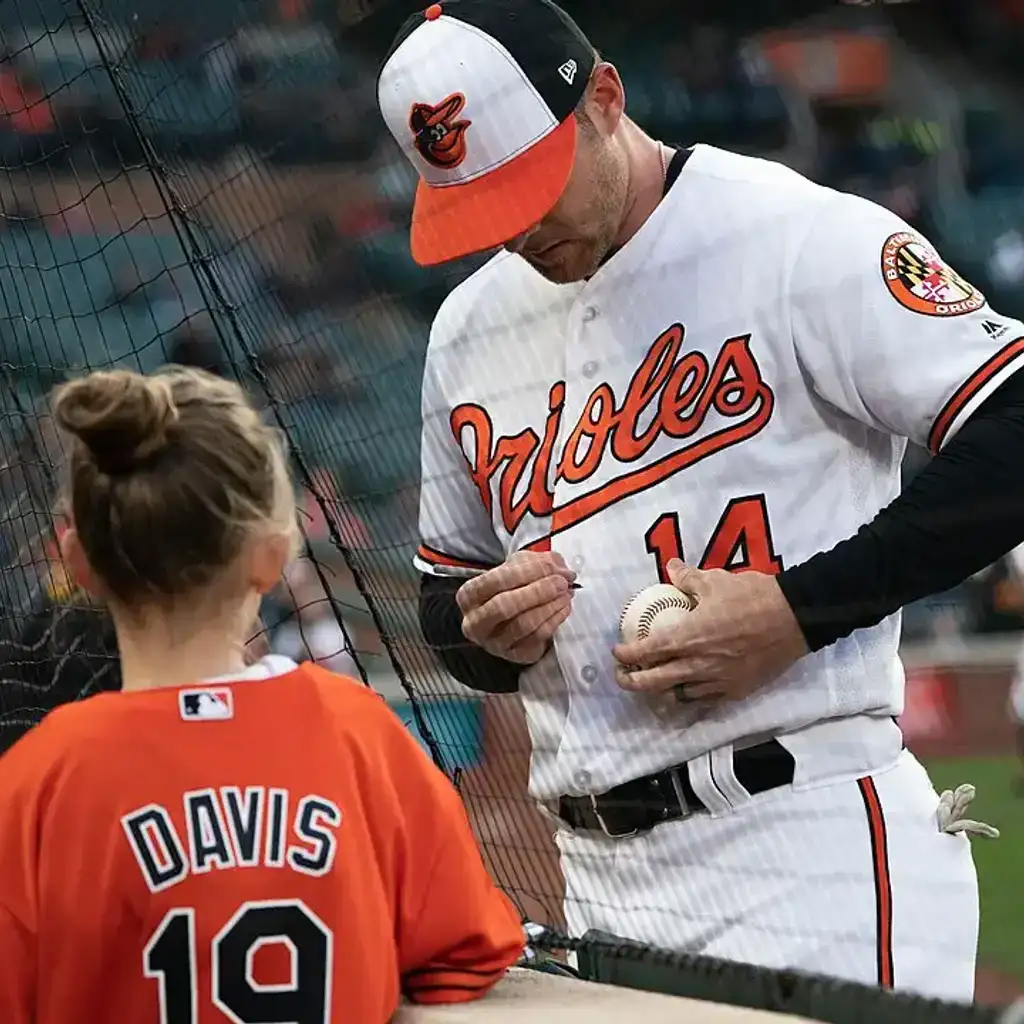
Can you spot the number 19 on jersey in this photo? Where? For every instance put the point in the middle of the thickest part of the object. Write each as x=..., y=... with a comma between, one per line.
x=171, y=959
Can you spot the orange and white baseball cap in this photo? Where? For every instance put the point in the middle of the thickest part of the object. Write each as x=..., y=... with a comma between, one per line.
x=480, y=95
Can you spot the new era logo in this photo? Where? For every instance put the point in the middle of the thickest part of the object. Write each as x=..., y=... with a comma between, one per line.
x=568, y=71
x=993, y=329
x=206, y=705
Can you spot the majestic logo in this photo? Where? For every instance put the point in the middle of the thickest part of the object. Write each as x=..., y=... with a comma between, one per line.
x=438, y=133
x=672, y=394
x=918, y=279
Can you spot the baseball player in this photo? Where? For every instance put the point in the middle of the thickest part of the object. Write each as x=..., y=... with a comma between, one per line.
x=690, y=366
x=220, y=841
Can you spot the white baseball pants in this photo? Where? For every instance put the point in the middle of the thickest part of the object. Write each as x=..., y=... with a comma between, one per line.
x=851, y=879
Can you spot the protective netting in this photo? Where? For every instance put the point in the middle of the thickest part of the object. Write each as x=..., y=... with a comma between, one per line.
x=208, y=182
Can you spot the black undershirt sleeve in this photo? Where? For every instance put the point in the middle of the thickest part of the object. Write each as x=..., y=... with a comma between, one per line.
x=441, y=622
x=961, y=513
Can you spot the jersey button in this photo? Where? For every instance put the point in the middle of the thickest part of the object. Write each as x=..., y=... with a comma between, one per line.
x=582, y=779
x=589, y=673
x=578, y=562
x=589, y=368
x=590, y=313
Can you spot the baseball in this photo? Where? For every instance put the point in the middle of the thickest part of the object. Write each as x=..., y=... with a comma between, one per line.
x=653, y=609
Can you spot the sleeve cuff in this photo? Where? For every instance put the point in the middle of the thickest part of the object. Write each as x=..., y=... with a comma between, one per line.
x=438, y=563
x=449, y=984
x=973, y=392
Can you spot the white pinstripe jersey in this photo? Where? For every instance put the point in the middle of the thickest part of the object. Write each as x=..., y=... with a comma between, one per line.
x=735, y=385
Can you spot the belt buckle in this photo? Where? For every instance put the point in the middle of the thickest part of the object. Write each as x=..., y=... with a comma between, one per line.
x=604, y=825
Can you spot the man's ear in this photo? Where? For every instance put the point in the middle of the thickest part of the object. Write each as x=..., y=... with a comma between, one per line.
x=77, y=565
x=606, y=98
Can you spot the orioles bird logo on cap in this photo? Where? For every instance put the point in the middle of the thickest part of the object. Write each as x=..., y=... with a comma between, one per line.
x=439, y=138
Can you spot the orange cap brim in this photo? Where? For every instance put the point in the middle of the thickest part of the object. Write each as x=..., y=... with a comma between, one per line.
x=486, y=212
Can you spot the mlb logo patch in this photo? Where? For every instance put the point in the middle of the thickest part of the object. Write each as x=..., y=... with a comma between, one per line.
x=208, y=705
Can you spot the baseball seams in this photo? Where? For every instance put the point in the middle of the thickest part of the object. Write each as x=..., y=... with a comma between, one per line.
x=655, y=608
x=662, y=604
x=642, y=612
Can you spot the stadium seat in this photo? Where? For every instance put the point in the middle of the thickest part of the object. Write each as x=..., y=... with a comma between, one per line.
x=70, y=78
x=94, y=342
x=281, y=73
x=765, y=119
x=66, y=61
x=969, y=227
x=182, y=112
x=288, y=61
x=968, y=231
x=387, y=262
x=376, y=396
x=313, y=69
x=994, y=160
x=455, y=724
x=61, y=310
x=762, y=103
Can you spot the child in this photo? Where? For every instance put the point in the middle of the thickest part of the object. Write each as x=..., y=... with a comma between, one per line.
x=220, y=841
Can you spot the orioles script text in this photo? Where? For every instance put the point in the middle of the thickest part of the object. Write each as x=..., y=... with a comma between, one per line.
x=682, y=389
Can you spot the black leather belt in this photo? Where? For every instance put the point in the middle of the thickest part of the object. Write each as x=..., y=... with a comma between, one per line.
x=667, y=795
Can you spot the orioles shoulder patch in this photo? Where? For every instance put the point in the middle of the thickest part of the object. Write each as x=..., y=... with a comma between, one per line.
x=919, y=279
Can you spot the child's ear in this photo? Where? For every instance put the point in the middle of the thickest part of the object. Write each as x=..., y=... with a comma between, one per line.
x=268, y=558
x=75, y=562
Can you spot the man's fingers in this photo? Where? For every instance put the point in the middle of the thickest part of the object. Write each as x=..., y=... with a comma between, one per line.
x=678, y=672
x=545, y=631
x=522, y=569
x=485, y=621
x=646, y=653
x=662, y=646
x=531, y=622
x=693, y=692
x=687, y=578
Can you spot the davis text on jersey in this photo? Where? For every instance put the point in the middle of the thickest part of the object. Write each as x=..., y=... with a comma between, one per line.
x=231, y=827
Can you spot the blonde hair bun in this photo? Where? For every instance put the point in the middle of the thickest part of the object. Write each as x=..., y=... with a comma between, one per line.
x=122, y=418
x=168, y=477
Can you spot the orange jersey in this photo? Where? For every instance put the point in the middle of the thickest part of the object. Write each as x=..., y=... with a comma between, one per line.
x=265, y=850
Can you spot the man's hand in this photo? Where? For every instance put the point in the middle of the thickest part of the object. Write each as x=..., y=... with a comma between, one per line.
x=512, y=611
x=741, y=636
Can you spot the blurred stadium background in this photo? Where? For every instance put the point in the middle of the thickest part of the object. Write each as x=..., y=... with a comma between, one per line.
x=207, y=181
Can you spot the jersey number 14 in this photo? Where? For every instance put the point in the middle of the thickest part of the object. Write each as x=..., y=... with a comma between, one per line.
x=742, y=540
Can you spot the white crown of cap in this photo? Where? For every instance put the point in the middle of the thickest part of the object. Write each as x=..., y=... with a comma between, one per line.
x=446, y=57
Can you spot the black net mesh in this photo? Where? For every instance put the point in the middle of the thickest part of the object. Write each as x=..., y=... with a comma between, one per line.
x=208, y=182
